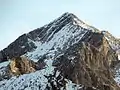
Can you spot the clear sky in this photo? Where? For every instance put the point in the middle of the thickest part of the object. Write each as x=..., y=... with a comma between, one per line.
x=21, y=16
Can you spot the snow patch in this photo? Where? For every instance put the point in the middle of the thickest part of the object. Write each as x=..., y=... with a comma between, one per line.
x=118, y=56
x=4, y=64
x=117, y=77
x=72, y=86
x=22, y=46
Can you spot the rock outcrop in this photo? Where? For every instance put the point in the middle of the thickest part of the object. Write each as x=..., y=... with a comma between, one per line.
x=21, y=65
x=89, y=63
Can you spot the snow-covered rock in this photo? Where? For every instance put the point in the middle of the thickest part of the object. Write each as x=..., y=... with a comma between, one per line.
x=51, y=42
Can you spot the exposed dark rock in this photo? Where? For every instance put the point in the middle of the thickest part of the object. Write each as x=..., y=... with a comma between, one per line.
x=88, y=63
x=19, y=47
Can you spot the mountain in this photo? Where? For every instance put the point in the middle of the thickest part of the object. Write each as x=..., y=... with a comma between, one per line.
x=66, y=54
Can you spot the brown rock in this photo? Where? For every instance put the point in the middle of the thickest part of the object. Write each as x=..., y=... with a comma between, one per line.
x=22, y=65
x=89, y=64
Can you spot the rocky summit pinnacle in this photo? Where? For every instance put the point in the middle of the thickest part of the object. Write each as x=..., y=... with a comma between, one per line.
x=66, y=54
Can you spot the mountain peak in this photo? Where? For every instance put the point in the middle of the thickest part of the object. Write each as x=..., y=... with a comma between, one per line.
x=69, y=15
x=64, y=54
x=71, y=18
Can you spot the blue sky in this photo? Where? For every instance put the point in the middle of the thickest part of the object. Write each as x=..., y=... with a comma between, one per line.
x=21, y=16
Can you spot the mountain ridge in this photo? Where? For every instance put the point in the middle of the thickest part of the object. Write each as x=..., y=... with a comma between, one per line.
x=63, y=20
x=65, y=54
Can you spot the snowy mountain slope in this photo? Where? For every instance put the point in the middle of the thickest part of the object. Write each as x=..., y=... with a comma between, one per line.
x=61, y=40
x=51, y=42
x=33, y=81
x=39, y=80
x=65, y=30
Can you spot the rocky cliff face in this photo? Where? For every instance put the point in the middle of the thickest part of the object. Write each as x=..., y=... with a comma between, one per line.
x=66, y=54
x=114, y=42
x=88, y=65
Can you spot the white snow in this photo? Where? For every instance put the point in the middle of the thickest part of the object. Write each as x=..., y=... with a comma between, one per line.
x=80, y=23
x=117, y=77
x=72, y=86
x=4, y=64
x=57, y=74
x=71, y=57
x=32, y=81
x=119, y=56
x=61, y=40
x=22, y=46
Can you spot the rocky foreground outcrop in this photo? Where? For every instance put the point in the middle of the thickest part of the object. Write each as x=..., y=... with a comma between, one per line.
x=19, y=66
